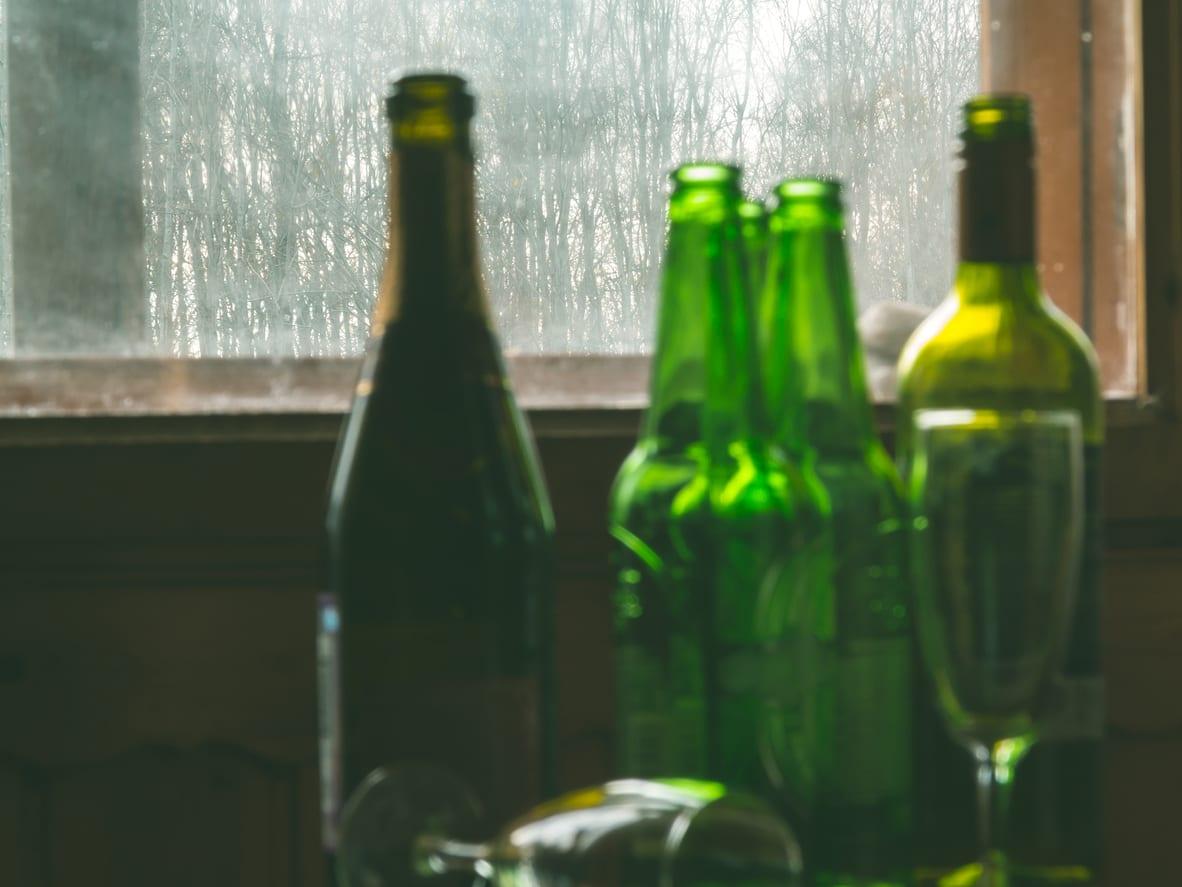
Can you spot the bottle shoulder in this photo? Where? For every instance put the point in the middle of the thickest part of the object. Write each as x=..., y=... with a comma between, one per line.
x=867, y=483
x=762, y=483
x=1000, y=355
x=436, y=449
x=651, y=477
x=754, y=482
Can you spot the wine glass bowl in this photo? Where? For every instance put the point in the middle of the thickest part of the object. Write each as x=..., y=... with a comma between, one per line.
x=997, y=504
x=388, y=812
x=638, y=833
x=671, y=832
x=627, y=833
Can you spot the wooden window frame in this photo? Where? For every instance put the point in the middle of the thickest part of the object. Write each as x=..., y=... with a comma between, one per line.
x=564, y=392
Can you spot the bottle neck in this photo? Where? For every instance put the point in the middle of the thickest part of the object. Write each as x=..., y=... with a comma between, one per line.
x=996, y=185
x=703, y=381
x=820, y=344
x=677, y=393
x=1014, y=284
x=432, y=264
x=732, y=385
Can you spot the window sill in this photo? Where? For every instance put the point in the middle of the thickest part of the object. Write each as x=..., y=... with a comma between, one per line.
x=149, y=400
x=47, y=401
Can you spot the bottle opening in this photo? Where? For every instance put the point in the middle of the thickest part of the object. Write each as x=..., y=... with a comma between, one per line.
x=827, y=190
x=808, y=203
x=707, y=174
x=752, y=211
x=430, y=107
x=997, y=115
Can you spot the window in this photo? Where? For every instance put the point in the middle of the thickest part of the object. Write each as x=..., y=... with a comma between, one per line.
x=1079, y=61
x=206, y=178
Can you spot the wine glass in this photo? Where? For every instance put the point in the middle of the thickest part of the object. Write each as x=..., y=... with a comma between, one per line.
x=628, y=833
x=997, y=512
x=389, y=811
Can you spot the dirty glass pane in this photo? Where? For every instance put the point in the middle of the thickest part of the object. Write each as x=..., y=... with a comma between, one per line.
x=263, y=144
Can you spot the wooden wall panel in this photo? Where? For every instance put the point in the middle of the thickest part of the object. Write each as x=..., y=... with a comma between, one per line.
x=157, y=660
x=151, y=816
x=1143, y=642
x=157, y=664
x=1142, y=817
x=23, y=848
x=94, y=673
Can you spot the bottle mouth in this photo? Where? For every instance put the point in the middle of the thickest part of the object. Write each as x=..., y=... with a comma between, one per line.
x=809, y=190
x=998, y=115
x=807, y=203
x=752, y=211
x=706, y=174
x=430, y=92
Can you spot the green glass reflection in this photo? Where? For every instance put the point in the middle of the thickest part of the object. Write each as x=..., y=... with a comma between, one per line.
x=856, y=751
x=712, y=525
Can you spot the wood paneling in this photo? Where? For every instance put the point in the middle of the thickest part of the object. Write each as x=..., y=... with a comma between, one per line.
x=1143, y=643
x=157, y=660
x=155, y=815
x=157, y=664
x=157, y=655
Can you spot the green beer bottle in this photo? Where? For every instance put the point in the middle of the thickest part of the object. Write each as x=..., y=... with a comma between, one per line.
x=998, y=343
x=710, y=526
x=859, y=745
x=439, y=527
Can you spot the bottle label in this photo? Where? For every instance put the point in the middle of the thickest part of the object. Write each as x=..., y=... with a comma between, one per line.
x=871, y=729
x=663, y=733
x=749, y=671
x=427, y=693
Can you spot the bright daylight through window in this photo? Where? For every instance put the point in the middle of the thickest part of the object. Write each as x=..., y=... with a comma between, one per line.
x=262, y=145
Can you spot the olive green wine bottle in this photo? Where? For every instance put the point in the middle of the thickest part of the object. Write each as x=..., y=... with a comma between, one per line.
x=998, y=343
x=711, y=526
x=439, y=526
x=859, y=748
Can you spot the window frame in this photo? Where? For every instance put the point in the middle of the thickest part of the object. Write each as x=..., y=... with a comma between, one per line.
x=1143, y=481
x=115, y=398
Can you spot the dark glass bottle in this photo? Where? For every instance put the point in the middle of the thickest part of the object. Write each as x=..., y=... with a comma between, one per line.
x=439, y=526
x=998, y=343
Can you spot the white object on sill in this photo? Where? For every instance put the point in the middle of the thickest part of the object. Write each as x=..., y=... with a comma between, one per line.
x=884, y=328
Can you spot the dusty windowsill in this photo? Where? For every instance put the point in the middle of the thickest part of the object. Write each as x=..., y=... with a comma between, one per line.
x=76, y=400
x=46, y=401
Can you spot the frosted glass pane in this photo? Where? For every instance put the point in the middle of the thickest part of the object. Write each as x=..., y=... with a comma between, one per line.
x=263, y=145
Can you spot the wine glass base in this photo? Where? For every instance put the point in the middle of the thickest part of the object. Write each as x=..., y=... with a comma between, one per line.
x=389, y=812
x=1008, y=875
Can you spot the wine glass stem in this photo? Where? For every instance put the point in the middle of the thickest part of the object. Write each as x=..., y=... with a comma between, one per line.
x=994, y=777
x=439, y=855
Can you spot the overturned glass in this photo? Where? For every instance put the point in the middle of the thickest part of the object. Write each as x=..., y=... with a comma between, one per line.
x=400, y=825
